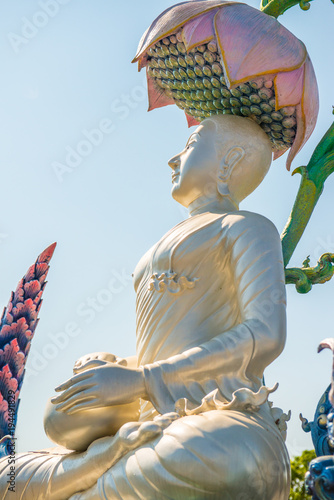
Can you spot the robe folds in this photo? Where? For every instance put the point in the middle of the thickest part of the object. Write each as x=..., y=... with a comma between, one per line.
x=210, y=318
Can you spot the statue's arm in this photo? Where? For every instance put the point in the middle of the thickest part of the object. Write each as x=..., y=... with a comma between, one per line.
x=256, y=265
x=99, y=358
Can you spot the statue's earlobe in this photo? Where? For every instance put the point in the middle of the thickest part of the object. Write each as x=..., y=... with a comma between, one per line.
x=232, y=157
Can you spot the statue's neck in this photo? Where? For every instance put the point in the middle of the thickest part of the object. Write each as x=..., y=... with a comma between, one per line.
x=204, y=204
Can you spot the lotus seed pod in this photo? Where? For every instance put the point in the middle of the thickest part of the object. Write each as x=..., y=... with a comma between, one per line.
x=183, y=74
x=207, y=83
x=199, y=83
x=182, y=62
x=217, y=104
x=288, y=111
x=246, y=89
x=276, y=115
x=256, y=84
x=198, y=71
x=245, y=111
x=289, y=132
x=217, y=69
x=208, y=95
x=169, y=74
x=195, y=81
x=265, y=127
x=189, y=60
x=215, y=82
x=210, y=105
x=168, y=63
x=266, y=118
x=265, y=93
x=266, y=107
x=245, y=101
x=161, y=63
x=199, y=59
x=207, y=71
x=191, y=73
x=191, y=84
x=159, y=82
x=257, y=119
x=212, y=46
x=225, y=93
x=256, y=110
x=255, y=99
x=178, y=84
x=289, y=122
x=234, y=102
x=179, y=36
x=236, y=93
x=209, y=57
x=200, y=95
x=173, y=50
x=276, y=126
x=154, y=63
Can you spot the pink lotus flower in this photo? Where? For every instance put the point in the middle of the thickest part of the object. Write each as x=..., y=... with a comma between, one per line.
x=266, y=73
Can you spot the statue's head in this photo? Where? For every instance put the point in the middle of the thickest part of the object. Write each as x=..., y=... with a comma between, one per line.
x=226, y=157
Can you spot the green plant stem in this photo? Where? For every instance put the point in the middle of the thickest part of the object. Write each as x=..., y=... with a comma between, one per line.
x=314, y=175
x=276, y=8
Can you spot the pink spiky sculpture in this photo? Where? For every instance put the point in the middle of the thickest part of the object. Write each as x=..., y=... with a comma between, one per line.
x=17, y=327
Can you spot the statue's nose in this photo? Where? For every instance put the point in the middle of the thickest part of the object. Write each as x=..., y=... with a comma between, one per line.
x=174, y=162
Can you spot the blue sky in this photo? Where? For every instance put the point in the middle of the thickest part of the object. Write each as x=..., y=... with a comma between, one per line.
x=60, y=82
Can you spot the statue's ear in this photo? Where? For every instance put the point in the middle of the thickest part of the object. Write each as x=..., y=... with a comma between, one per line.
x=232, y=157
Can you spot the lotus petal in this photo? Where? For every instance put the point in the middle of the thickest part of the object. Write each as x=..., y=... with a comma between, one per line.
x=173, y=18
x=200, y=30
x=253, y=44
x=289, y=88
x=156, y=97
x=191, y=121
x=307, y=111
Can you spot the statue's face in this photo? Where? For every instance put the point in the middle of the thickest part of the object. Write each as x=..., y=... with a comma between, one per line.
x=195, y=169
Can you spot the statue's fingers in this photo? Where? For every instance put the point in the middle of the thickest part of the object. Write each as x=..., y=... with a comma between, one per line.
x=72, y=391
x=73, y=380
x=88, y=403
x=92, y=363
x=76, y=401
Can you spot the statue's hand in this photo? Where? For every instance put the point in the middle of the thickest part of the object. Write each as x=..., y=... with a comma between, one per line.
x=97, y=359
x=96, y=387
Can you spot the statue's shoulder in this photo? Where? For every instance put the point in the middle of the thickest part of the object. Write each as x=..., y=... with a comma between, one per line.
x=243, y=222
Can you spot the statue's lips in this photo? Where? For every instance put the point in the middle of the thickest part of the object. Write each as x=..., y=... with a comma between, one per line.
x=78, y=431
x=175, y=176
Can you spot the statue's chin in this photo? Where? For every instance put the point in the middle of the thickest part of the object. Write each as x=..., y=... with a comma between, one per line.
x=78, y=431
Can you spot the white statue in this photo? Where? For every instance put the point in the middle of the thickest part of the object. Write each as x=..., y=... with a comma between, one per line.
x=210, y=318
